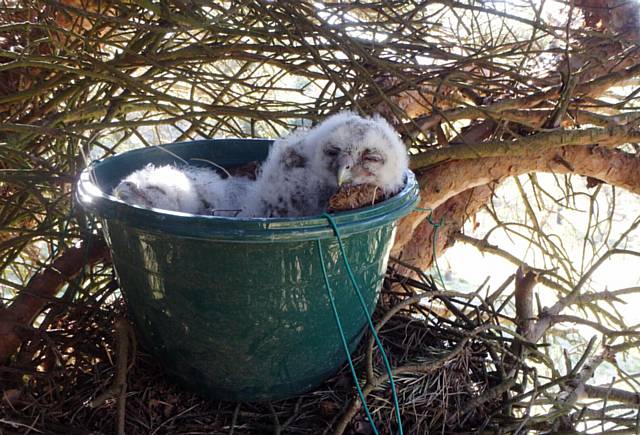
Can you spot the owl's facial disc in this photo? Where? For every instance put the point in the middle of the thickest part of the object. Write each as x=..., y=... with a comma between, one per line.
x=369, y=164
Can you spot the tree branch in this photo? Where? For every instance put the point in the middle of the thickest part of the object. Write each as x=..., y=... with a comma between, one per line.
x=42, y=288
x=454, y=212
x=613, y=394
x=528, y=145
x=445, y=180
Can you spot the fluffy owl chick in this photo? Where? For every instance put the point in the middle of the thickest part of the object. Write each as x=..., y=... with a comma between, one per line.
x=188, y=189
x=350, y=149
x=304, y=169
x=280, y=183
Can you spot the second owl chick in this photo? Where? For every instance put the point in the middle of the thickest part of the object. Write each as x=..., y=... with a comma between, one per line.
x=188, y=189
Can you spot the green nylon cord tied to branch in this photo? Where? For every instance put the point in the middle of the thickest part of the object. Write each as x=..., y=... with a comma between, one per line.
x=436, y=228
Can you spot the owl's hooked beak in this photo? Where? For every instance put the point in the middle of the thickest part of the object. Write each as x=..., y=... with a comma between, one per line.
x=344, y=170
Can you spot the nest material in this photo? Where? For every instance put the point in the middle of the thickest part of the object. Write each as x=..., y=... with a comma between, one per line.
x=443, y=376
x=350, y=197
x=249, y=170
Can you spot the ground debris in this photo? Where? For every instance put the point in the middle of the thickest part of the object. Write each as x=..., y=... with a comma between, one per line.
x=445, y=373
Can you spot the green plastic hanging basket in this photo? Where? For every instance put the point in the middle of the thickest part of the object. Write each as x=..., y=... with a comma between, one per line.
x=236, y=308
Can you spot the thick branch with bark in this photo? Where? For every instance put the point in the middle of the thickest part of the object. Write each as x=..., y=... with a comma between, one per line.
x=41, y=290
x=530, y=145
x=451, y=216
x=444, y=181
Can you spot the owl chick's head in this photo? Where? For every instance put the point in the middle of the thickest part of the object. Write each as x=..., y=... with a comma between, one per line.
x=350, y=149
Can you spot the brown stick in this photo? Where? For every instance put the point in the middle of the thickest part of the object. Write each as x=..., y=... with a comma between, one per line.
x=118, y=389
x=593, y=88
x=525, y=282
x=523, y=293
x=42, y=288
x=526, y=146
x=575, y=388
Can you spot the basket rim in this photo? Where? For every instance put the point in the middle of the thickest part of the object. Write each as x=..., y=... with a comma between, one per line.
x=94, y=200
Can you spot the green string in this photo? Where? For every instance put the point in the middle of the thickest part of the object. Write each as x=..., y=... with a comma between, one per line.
x=436, y=228
x=343, y=338
x=371, y=327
